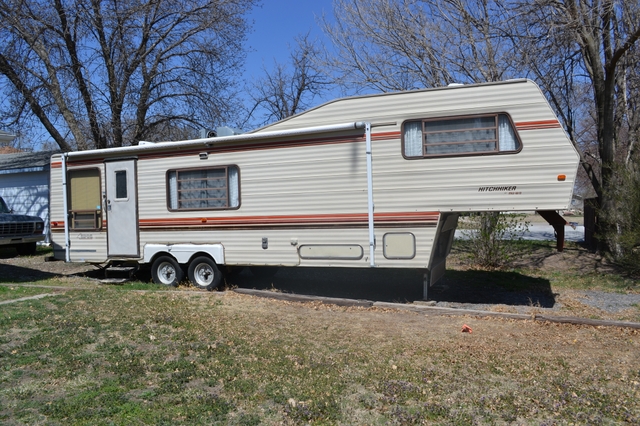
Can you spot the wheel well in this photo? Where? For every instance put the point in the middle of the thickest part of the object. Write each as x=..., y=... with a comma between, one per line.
x=204, y=254
x=160, y=254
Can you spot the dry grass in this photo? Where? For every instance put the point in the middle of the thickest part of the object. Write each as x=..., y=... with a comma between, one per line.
x=112, y=357
x=117, y=355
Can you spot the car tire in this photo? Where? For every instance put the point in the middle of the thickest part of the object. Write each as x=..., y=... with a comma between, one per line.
x=26, y=249
x=204, y=273
x=166, y=271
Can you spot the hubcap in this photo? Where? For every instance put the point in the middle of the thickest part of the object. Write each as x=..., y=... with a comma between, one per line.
x=167, y=273
x=204, y=274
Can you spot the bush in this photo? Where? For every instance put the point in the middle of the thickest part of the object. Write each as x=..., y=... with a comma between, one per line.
x=492, y=236
x=623, y=240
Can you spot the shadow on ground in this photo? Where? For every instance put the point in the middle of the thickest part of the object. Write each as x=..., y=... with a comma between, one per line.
x=383, y=285
x=20, y=274
x=404, y=285
x=493, y=287
x=22, y=269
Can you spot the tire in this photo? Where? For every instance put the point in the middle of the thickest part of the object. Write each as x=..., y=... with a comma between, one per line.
x=204, y=273
x=26, y=249
x=166, y=271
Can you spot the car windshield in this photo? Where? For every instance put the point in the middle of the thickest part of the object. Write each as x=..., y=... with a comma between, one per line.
x=3, y=207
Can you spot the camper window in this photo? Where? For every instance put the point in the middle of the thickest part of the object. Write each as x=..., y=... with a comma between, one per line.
x=469, y=135
x=84, y=199
x=203, y=189
x=121, y=184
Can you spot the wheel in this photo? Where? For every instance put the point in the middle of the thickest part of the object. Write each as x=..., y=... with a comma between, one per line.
x=26, y=249
x=166, y=271
x=263, y=272
x=204, y=273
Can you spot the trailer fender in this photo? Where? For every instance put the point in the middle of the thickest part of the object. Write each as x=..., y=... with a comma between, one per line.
x=184, y=252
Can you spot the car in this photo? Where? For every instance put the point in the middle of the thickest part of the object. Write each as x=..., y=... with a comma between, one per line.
x=20, y=231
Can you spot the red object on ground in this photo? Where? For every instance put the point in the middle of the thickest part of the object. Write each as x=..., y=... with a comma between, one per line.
x=466, y=329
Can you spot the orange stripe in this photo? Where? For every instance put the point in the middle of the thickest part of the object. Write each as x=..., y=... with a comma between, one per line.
x=291, y=219
x=384, y=135
x=336, y=219
x=535, y=125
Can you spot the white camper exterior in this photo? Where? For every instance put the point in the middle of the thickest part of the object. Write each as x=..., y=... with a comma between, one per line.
x=369, y=181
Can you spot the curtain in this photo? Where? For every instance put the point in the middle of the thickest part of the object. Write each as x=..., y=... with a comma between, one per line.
x=413, y=139
x=506, y=135
x=173, y=191
x=234, y=193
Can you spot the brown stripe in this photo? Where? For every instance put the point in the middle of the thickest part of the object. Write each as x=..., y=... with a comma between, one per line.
x=536, y=125
x=328, y=220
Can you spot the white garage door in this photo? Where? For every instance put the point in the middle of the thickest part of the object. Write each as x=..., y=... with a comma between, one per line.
x=27, y=193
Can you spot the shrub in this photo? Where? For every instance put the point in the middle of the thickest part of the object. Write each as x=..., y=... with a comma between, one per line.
x=623, y=240
x=492, y=236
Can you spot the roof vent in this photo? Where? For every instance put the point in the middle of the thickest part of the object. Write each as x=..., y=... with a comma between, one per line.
x=205, y=134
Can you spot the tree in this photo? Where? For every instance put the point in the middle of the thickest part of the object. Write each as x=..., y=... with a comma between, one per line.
x=288, y=88
x=601, y=38
x=388, y=45
x=97, y=74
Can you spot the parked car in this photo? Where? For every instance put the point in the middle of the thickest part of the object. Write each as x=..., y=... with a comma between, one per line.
x=19, y=230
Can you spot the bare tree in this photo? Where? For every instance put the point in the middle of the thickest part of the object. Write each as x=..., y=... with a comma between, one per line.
x=601, y=39
x=287, y=89
x=386, y=45
x=389, y=45
x=109, y=73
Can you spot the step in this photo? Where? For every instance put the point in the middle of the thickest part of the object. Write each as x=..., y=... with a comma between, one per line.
x=113, y=280
x=120, y=271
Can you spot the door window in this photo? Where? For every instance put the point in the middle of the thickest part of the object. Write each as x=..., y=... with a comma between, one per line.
x=121, y=184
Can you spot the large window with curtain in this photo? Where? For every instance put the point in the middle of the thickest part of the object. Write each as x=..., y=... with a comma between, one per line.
x=204, y=189
x=481, y=134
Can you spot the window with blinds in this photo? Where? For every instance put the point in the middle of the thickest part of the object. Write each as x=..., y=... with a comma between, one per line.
x=204, y=189
x=482, y=134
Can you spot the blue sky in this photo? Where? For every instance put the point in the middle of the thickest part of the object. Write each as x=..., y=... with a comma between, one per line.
x=276, y=24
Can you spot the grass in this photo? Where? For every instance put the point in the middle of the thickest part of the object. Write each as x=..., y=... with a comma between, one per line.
x=105, y=356
x=575, y=271
x=9, y=292
x=101, y=355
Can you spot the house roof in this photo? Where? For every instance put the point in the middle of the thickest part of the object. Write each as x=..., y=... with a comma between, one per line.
x=25, y=162
x=6, y=137
x=9, y=150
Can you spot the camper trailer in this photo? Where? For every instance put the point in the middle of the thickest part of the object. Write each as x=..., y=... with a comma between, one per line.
x=367, y=181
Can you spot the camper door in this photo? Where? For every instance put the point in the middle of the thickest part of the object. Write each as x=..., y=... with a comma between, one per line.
x=121, y=204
